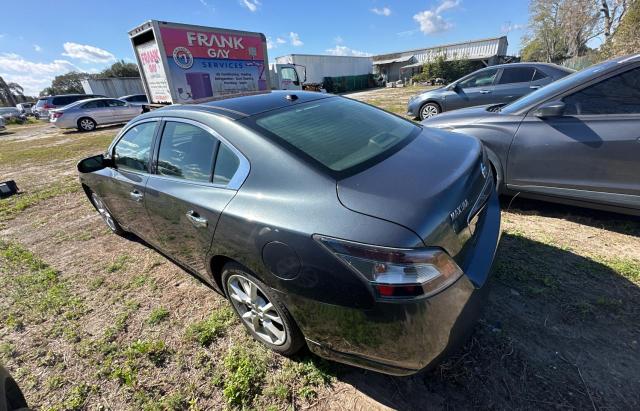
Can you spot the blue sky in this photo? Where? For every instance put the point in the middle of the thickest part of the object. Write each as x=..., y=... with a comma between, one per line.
x=88, y=35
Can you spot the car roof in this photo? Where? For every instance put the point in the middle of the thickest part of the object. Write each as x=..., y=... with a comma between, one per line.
x=133, y=95
x=249, y=105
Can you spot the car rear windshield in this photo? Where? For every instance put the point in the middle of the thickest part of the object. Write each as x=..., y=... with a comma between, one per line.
x=338, y=133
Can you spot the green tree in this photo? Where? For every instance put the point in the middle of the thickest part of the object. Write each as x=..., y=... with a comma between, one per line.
x=68, y=83
x=626, y=38
x=120, y=69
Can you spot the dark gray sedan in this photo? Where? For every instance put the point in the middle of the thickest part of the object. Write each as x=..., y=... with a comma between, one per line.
x=324, y=221
x=575, y=141
x=491, y=85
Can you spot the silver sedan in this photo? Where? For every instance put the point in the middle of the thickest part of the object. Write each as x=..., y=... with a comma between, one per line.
x=86, y=115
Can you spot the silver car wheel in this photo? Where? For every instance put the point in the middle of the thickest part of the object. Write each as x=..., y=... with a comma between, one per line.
x=429, y=110
x=104, y=213
x=255, y=309
x=87, y=124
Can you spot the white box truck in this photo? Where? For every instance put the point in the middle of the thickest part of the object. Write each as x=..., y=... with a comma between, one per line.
x=316, y=67
x=182, y=63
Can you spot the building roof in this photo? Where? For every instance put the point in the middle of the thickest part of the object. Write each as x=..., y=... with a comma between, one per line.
x=399, y=59
x=414, y=51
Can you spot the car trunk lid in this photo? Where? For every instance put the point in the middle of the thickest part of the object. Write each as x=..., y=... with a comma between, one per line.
x=434, y=186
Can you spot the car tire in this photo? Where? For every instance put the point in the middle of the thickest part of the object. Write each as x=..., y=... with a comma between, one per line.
x=109, y=220
x=273, y=327
x=86, y=124
x=11, y=397
x=428, y=110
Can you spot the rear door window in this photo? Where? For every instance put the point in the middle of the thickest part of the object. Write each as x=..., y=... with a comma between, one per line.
x=227, y=164
x=133, y=150
x=115, y=103
x=482, y=79
x=186, y=152
x=539, y=75
x=95, y=104
x=516, y=75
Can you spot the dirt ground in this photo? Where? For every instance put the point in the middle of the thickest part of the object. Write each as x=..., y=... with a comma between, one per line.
x=90, y=320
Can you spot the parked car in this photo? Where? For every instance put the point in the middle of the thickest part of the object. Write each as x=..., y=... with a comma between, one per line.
x=574, y=141
x=491, y=85
x=2, y=126
x=44, y=104
x=135, y=99
x=86, y=115
x=12, y=114
x=323, y=220
x=25, y=108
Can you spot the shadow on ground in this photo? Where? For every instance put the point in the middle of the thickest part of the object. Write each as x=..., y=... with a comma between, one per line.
x=620, y=223
x=559, y=330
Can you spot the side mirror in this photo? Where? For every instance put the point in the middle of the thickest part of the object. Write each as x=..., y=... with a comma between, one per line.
x=95, y=163
x=550, y=109
x=455, y=87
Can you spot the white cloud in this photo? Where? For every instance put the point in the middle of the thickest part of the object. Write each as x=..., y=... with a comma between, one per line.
x=33, y=76
x=338, y=40
x=509, y=27
x=86, y=53
x=37, y=48
x=274, y=44
x=339, y=50
x=295, y=39
x=431, y=21
x=385, y=11
x=207, y=5
x=252, y=5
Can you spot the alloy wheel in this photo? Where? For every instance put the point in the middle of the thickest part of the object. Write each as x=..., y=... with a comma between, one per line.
x=255, y=309
x=104, y=213
x=429, y=110
x=87, y=124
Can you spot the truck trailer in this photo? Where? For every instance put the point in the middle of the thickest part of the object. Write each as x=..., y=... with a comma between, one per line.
x=182, y=63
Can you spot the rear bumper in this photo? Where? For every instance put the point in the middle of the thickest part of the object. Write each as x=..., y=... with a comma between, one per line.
x=402, y=338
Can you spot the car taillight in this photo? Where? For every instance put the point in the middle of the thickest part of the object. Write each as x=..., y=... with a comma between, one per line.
x=48, y=106
x=57, y=115
x=396, y=272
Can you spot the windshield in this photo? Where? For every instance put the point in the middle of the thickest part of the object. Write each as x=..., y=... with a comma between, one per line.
x=557, y=86
x=337, y=132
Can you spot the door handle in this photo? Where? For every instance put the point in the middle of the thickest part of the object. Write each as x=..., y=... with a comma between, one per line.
x=136, y=195
x=196, y=220
x=535, y=87
x=485, y=91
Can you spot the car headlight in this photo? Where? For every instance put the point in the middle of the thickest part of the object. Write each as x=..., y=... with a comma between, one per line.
x=396, y=272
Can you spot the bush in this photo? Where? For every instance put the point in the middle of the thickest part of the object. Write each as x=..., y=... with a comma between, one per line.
x=449, y=70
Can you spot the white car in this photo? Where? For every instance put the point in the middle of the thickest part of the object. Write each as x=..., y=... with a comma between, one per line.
x=86, y=115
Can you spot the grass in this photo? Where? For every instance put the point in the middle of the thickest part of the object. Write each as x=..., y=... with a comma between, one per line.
x=157, y=316
x=245, y=367
x=129, y=348
x=205, y=332
x=12, y=206
x=34, y=291
x=118, y=264
x=53, y=149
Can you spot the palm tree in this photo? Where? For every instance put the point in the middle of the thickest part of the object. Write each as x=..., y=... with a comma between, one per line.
x=6, y=93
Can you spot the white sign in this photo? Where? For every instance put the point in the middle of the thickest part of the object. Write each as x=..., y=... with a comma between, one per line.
x=157, y=84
